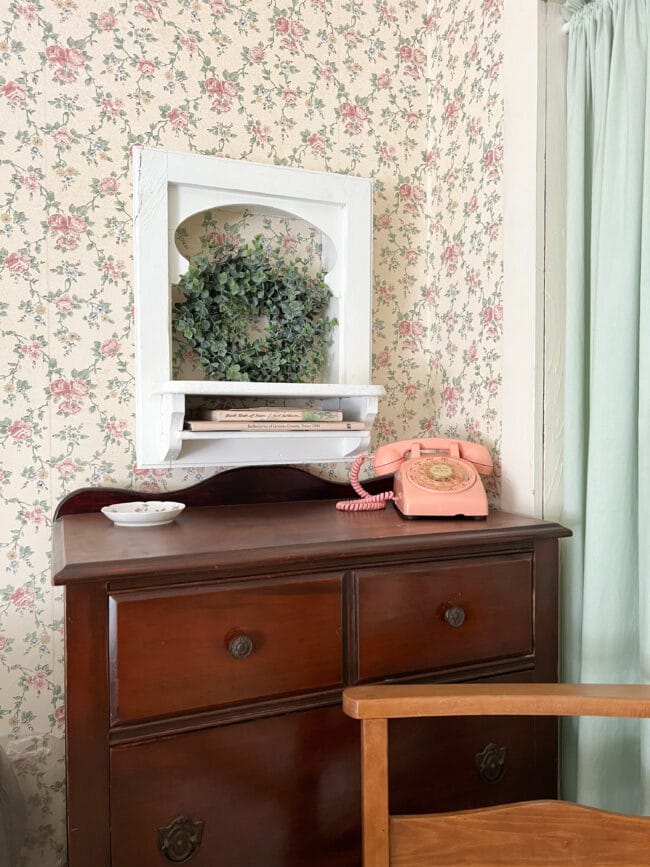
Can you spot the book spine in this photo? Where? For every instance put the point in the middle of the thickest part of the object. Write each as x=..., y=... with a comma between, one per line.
x=279, y=414
x=274, y=425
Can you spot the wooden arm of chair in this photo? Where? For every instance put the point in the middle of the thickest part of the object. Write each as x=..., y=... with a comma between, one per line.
x=503, y=699
x=534, y=833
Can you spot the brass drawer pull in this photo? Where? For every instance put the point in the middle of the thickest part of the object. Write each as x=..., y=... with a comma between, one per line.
x=180, y=840
x=455, y=616
x=491, y=763
x=240, y=646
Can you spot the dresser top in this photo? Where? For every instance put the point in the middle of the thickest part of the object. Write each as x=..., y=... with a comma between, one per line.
x=232, y=541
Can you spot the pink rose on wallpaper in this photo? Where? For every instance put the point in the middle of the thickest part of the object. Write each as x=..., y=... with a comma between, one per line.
x=106, y=21
x=22, y=597
x=451, y=392
x=383, y=80
x=412, y=118
x=75, y=57
x=178, y=118
x=146, y=68
x=289, y=243
x=112, y=107
x=326, y=73
x=297, y=30
x=150, y=487
x=451, y=114
x=493, y=8
x=109, y=348
x=218, y=7
x=387, y=153
x=21, y=431
x=417, y=194
x=79, y=388
x=64, y=303
x=472, y=353
x=60, y=388
x=108, y=186
x=115, y=429
x=261, y=133
x=16, y=263
x=32, y=350
x=316, y=143
x=411, y=257
x=145, y=11
x=68, y=407
x=27, y=11
x=351, y=38
x=36, y=680
x=3, y=643
x=35, y=515
x=290, y=97
x=405, y=191
x=13, y=92
x=346, y=109
x=410, y=391
x=470, y=207
x=59, y=715
x=493, y=230
x=29, y=182
x=188, y=43
x=405, y=52
x=493, y=386
x=382, y=359
x=281, y=25
x=62, y=137
x=404, y=327
x=383, y=221
x=387, y=12
x=256, y=54
x=66, y=468
x=56, y=54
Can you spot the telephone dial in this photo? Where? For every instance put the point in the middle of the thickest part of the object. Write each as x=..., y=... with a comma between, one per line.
x=433, y=477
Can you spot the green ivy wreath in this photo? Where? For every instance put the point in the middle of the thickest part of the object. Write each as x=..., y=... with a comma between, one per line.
x=250, y=316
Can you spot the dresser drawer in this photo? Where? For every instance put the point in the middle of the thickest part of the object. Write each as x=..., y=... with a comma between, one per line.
x=185, y=650
x=436, y=616
x=277, y=792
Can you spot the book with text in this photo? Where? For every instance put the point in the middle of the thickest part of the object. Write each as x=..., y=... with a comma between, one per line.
x=272, y=413
x=203, y=425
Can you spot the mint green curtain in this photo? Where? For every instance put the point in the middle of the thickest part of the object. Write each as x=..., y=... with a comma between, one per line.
x=606, y=566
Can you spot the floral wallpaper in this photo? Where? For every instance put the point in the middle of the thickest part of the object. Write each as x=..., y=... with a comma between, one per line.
x=404, y=91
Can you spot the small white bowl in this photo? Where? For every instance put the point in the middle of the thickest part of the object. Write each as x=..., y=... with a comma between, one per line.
x=141, y=514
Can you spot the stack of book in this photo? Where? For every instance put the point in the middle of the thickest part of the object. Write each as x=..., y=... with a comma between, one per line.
x=272, y=418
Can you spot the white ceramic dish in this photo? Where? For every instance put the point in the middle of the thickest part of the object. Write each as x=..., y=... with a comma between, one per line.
x=140, y=514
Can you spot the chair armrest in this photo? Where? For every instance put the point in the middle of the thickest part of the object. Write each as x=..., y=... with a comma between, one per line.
x=497, y=699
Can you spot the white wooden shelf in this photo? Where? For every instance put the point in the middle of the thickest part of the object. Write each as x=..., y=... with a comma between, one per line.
x=169, y=188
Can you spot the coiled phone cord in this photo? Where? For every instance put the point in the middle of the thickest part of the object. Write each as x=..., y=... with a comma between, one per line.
x=367, y=502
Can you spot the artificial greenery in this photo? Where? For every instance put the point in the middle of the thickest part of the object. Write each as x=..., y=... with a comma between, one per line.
x=250, y=316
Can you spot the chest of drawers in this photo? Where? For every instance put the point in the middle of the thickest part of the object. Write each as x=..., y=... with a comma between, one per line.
x=205, y=662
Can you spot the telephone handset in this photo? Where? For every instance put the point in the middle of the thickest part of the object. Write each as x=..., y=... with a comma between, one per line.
x=434, y=477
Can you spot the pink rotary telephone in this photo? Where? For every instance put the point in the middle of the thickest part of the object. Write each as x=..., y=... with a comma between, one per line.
x=433, y=477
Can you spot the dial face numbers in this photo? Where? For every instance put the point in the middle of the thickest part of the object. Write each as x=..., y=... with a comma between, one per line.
x=440, y=474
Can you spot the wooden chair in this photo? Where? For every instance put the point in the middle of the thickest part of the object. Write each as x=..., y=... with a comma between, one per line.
x=535, y=832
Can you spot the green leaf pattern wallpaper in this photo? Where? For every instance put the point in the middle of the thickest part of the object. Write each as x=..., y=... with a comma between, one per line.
x=407, y=93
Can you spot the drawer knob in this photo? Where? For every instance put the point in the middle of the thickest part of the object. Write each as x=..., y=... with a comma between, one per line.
x=240, y=646
x=455, y=616
x=180, y=840
x=491, y=763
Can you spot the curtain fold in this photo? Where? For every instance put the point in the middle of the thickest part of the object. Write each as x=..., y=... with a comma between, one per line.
x=607, y=393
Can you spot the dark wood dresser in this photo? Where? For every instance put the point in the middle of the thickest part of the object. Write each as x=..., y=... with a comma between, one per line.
x=205, y=661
